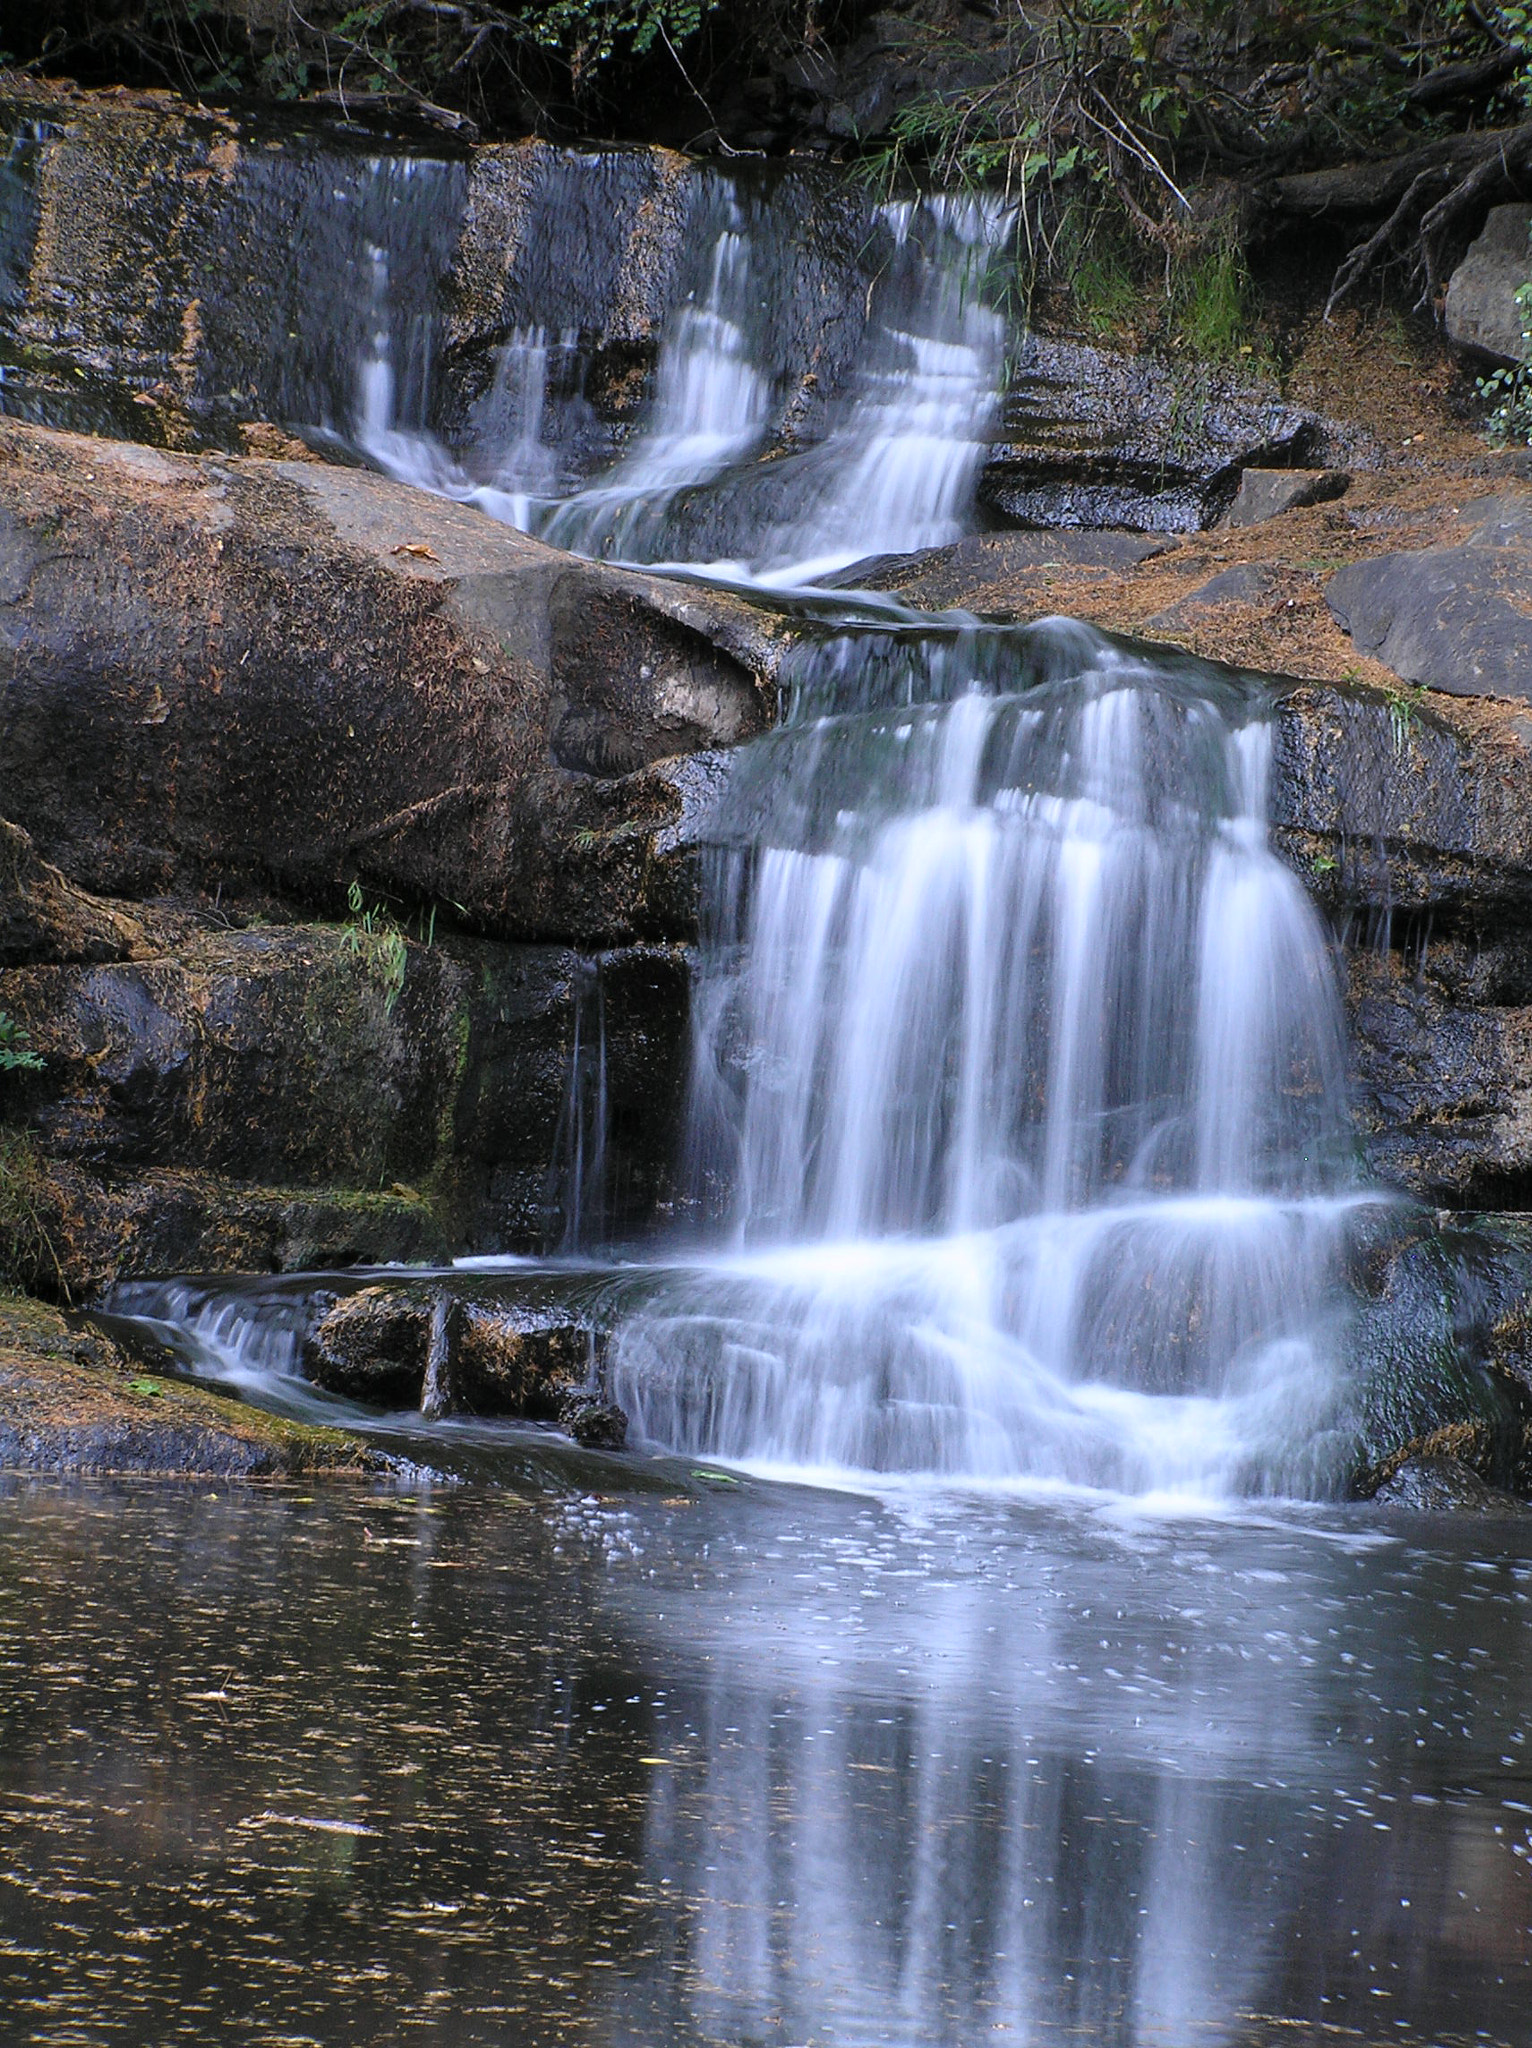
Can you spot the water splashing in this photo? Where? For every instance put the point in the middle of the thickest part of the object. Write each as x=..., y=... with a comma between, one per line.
x=1020, y=1058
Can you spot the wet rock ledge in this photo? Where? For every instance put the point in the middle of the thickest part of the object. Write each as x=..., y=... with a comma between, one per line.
x=71, y=1400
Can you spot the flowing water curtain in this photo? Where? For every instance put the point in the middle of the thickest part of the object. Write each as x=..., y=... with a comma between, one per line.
x=891, y=463
x=1022, y=1056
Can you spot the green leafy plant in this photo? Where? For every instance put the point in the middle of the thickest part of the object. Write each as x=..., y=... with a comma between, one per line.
x=1403, y=712
x=1213, y=310
x=373, y=938
x=16, y=1054
x=436, y=58
x=1510, y=389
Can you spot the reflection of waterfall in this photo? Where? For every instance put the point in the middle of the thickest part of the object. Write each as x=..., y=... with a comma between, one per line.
x=1021, y=1054
x=939, y=1777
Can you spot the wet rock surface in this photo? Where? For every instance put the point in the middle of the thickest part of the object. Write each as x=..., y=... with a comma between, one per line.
x=185, y=278
x=1093, y=438
x=258, y=1099
x=1436, y=1483
x=71, y=1400
x=1432, y=1349
x=447, y=1347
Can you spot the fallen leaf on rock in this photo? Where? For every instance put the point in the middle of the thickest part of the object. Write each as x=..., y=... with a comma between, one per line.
x=417, y=548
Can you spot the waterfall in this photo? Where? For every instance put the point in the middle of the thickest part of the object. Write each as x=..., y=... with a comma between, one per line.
x=1019, y=1055
x=710, y=409
x=1018, y=1121
x=713, y=474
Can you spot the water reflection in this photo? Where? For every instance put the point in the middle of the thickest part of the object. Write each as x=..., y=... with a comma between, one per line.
x=742, y=1765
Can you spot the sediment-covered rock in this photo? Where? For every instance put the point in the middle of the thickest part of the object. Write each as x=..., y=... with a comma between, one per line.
x=1436, y=1482
x=71, y=1400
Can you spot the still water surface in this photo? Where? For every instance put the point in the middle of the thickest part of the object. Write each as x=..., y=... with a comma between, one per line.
x=688, y=1761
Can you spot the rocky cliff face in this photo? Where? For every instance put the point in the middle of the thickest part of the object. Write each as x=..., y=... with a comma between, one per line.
x=233, y=692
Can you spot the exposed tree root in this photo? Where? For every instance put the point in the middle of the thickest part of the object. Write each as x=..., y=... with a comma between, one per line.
x=1428, y=193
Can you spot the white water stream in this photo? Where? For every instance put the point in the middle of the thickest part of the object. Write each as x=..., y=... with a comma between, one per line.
x=1018, y=1099
x=894, y=471
x=1020, y=1057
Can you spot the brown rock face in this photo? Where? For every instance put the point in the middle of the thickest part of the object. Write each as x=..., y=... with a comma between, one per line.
x=255, y=676
x=398, y=1346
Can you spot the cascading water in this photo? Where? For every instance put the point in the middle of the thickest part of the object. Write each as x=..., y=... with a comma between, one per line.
x=1020, y=1062
x=711, y=476
x=1018, y=1099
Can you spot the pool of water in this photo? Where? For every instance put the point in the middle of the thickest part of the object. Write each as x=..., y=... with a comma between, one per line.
x=631, y=1753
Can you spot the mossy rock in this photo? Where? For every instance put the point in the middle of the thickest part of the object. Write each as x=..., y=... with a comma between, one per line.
x=72, y=1401
x=1431, y=1349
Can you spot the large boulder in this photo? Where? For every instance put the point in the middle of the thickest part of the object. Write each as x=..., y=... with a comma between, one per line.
x=250, y=675
x=1455, y=617
x=1482, y=316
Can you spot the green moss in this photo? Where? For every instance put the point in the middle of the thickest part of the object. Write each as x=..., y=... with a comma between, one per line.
x=71, y=1399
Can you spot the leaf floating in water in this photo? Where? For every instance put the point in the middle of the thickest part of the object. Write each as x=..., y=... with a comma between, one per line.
x=714, y=1478
x=317, y=1823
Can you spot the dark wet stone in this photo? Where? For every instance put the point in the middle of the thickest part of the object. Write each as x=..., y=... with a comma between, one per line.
x=491, y=1356
x=597, y=1425
x=1453, y=617
x=1092, y=438
x=1441, y=1041
x=1422, y=1351
x=1266, y=493
x=1437, y=1483
x=257, y=1099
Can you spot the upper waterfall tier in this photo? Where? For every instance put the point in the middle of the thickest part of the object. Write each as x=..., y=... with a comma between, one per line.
x=728, y=464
